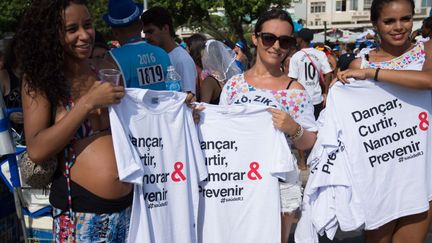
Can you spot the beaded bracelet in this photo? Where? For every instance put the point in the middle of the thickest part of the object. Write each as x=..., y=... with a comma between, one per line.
x=298, y=134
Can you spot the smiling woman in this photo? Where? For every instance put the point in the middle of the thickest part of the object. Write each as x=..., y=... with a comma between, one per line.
x=399, y=62
x=65, y=114
x=294, y=113
x=393, y=19
x=79, y=32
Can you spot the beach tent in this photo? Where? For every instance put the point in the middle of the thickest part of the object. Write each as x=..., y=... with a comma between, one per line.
x=342, y=36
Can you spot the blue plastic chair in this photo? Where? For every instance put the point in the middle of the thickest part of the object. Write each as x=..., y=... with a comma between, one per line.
x=9, y=172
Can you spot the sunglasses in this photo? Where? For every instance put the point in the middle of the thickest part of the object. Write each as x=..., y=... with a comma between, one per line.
x=285, y=42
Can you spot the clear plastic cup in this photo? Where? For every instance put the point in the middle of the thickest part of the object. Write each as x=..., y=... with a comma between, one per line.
x=110, y=75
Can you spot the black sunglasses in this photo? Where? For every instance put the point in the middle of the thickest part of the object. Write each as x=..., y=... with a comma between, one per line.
x=285, y=42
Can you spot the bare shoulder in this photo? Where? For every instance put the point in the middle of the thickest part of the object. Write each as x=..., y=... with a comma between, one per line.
x=296, y=85
x=427, y=66
x=32, y=99
x=428, y=47
x=209, y=81
x=355, y=64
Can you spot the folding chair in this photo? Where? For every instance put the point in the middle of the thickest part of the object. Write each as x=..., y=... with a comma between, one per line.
x=32, y=205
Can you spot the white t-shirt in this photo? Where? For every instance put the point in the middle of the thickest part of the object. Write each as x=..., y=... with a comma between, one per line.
x=385, y=137
x=157, y=148
x=302, y=69
x=330, y=201
x=245, y=156
x=185, y=66
x=318, y=209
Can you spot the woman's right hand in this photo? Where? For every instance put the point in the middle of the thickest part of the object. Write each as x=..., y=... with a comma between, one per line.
x=283, y=121
x=103, y=94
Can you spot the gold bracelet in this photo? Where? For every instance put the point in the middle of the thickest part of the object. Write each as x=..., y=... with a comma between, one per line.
x=298, y=134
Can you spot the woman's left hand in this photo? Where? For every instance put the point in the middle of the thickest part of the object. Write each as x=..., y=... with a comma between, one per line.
x=283, y=121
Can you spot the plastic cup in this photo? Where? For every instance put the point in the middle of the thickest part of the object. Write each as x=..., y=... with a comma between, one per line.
x=110, y=75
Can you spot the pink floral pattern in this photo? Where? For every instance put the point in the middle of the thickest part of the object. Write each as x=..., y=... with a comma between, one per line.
x=293, y=101
x=414, y=56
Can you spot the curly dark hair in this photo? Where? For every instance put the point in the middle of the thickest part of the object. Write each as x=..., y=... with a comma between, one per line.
x=39, y=50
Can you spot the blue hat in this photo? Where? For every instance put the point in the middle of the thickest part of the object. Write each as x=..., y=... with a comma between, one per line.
x=122, y=12
x=241, y=45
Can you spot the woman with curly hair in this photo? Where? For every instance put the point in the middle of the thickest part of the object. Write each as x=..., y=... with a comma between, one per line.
x=65, y=113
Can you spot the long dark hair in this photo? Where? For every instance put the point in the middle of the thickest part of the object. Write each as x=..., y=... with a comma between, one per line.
x=39, y=50
x=377, y=5
x=196, y=44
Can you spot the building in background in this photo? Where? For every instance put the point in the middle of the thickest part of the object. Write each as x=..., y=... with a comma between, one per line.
x=346, y=14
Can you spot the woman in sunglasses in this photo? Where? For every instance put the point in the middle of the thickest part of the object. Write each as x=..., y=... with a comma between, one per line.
x=265, y=83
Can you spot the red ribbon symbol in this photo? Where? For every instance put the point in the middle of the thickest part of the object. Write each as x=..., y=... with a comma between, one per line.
x=253, y=174
x=178, y=167
x=424, y=123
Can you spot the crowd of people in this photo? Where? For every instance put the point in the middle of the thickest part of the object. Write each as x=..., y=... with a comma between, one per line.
x=51, y=66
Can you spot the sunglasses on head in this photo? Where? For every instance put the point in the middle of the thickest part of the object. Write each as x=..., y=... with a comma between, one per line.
x=285, y=42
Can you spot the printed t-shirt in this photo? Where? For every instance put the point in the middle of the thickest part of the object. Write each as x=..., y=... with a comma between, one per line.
x=142, y=65
x=413, y=59
x=302, y=69
x=329, y=201
x=386, y=139
x=245, y=155
x=157, y=148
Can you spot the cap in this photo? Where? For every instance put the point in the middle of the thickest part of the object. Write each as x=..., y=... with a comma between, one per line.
x=241, y=45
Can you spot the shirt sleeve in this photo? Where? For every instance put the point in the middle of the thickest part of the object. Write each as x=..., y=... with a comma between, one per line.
x=330, y=130
x=198, y=154
x=285, y=166
x=128, y=162
x=325, y=65
x=185, y=66
x=293, y=66
x=302, y=110
x=305, y=231
x=223, y=99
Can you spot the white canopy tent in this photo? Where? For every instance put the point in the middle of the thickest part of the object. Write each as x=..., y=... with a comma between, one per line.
x=343, y=36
